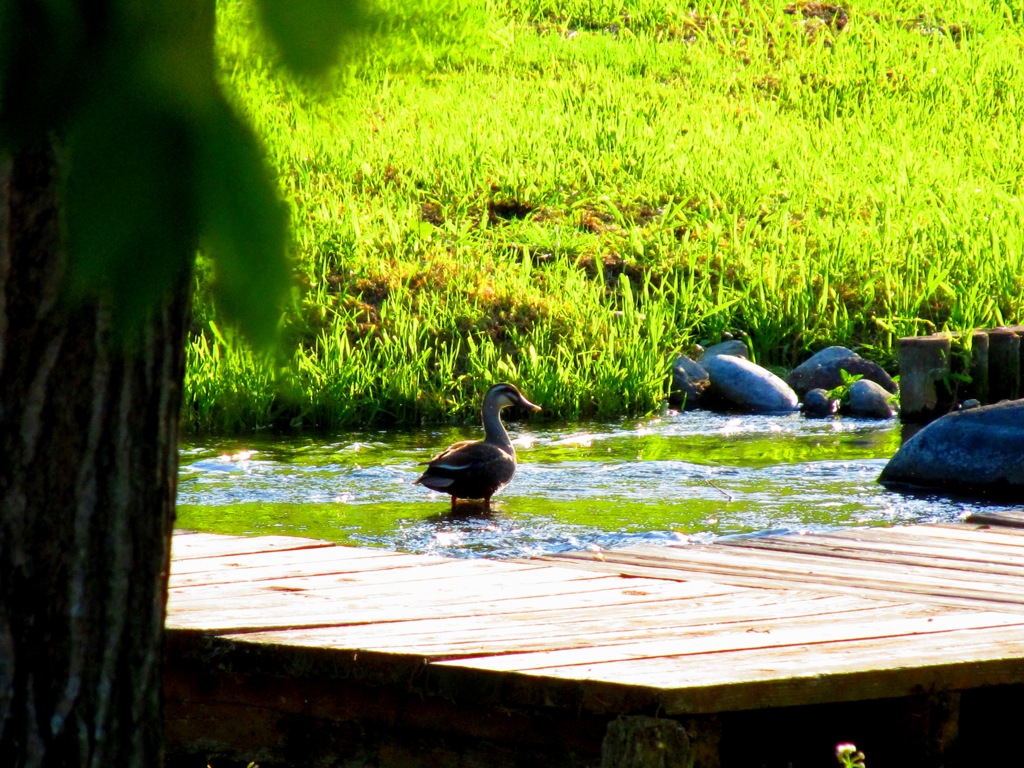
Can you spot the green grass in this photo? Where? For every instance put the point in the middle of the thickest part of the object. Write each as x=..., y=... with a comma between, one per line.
x=567, y=195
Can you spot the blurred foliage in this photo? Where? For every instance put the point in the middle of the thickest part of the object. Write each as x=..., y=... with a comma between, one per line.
x=155, y=161
x=308, y=33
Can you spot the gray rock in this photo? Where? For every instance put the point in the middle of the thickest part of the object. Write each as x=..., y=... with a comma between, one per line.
x=734, y=347
x=823, y=370
x=818, y=405
x=978, y=452
x=809, y=374
x=747, y=386
x=823, y=356
x=689, y=382
x=868, y=400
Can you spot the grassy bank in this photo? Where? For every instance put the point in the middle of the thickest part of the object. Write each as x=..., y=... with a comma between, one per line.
x=567, y=195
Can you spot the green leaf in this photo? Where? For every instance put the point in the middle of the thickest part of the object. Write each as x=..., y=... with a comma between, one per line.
x=129, y=205
x=850, y=379
x=842, y=392
x=44, y=62
x=308, y=33
x=243, y=225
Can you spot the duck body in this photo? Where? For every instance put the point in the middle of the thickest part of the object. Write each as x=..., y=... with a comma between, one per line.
x=477, y=469
x=471, y=469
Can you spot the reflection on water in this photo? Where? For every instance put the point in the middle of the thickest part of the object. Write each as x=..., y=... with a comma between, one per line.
x=581, y=486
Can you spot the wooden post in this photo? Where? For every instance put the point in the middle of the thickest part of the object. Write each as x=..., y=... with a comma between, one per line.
x=1003, y=365
x=646, y=742
x=978, y=370
x=934, y=724
x=924, y=369
x=1019, y=330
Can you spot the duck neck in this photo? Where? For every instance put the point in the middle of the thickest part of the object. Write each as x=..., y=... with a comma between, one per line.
x=494, y=430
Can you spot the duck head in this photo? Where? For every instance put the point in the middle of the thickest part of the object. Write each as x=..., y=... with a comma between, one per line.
x=505, y=395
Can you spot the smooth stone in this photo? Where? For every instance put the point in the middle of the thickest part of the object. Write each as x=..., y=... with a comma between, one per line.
x=689, y=383
x=976, y=452
x=823, y=356
x=734, y=347
x=818, y=405
x=748, y=386
x=868, y=400
x=824, y=371
x=797, y=377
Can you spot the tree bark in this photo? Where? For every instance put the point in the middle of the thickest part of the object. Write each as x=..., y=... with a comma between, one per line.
x=88, y=477
x=646, y=742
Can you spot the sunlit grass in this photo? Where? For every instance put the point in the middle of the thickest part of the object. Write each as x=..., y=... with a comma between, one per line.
x=567, y=195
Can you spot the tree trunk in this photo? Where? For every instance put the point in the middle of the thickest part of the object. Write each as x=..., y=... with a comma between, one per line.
x=88, y=477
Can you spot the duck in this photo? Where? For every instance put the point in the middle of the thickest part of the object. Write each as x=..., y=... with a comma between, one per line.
x=477, y=469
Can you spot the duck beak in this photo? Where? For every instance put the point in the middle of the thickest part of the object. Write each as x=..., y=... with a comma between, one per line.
x=527, y=404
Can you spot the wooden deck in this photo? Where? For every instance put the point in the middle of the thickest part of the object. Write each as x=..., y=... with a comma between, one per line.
x=284, y=649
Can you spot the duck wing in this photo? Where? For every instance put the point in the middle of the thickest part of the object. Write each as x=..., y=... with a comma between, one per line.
x=469, y=465
x=453, y=448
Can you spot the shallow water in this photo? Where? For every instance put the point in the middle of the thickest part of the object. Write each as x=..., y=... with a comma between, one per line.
x=680, y=476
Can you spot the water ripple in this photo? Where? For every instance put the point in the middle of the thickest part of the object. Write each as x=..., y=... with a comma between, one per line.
x=677, y=477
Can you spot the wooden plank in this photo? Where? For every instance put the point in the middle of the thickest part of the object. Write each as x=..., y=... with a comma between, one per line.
x=225, y=564
x=850, y=670
x=967, y=532
x=758, y=582
x=439, y=578
x=751, y=567
x=815, y=563
x=973, y=644
x=586, y=625
x=487, y=641
x=414, y=594
x=219, y=545
x=834, y=672
x=867, y=552
x=281, y=606
x=928, y=536
x=301, y=566
x=1011, y=518
x=886, y=624
x=269, y=566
